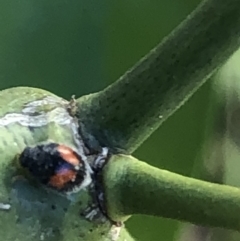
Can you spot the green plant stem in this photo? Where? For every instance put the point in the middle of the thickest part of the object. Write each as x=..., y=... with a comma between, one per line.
x=134, y=187
x=123, y=115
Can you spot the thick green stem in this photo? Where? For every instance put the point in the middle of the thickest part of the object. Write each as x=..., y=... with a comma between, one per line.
x=127, y=112
x=134, y=187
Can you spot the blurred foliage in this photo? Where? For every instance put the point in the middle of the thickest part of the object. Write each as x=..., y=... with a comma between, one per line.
x=56, y=45
x=79, y=47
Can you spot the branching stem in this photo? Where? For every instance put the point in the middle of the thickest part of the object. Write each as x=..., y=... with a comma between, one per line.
x=134, y=187
x=127, y=112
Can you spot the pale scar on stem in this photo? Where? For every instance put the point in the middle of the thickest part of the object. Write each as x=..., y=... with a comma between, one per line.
x=41, y=112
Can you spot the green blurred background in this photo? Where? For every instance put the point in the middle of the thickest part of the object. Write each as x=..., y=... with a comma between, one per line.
x=79, y=47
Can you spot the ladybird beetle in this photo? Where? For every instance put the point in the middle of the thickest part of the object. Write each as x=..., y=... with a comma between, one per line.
x=57, y=166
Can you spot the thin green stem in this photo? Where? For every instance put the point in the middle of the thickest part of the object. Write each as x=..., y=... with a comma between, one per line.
x=127, y=112
x=134, y=187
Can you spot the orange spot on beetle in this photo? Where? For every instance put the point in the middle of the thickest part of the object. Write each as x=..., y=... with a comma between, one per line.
x=68, y=155
x=62, y=177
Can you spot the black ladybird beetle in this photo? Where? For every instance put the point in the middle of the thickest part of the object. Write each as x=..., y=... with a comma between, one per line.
x=57, y=166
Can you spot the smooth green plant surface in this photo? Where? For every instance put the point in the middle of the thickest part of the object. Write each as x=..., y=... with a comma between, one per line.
x=122, y=116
